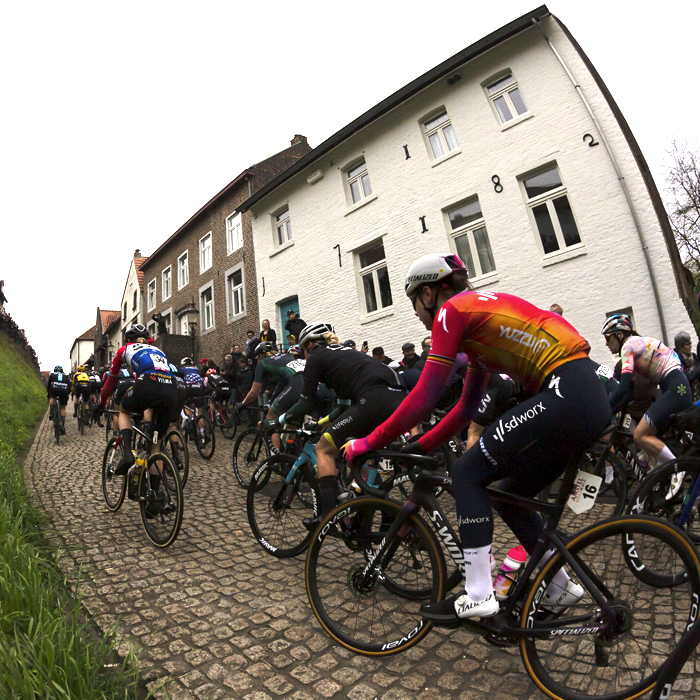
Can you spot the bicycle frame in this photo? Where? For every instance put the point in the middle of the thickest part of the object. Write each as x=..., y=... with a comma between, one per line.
x=423, y=497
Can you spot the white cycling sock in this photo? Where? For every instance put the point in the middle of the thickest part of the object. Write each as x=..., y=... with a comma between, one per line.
x=560, y=579
x=665, y=456
x=477, y=573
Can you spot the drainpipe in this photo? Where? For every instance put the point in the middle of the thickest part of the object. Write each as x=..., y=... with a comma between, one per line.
x=621, y=180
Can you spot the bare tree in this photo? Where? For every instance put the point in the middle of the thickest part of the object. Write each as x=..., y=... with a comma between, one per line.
x=683, y=203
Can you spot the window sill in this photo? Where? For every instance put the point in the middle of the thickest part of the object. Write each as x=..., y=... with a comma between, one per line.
x=231, y=252
x=360, y=204
x=179, y=289
x=484, y=280
x=209, y=330
x=284, y=246
x=238, y=317
x=447, y=156
x=562, y=255
x=376, y=315
x=517, y=120
x=201, y=272
x=164, y=299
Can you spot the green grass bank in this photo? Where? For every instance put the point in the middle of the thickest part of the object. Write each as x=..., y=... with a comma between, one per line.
x=45, y=651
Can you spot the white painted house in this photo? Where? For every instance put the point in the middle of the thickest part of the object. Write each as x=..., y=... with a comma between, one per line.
x=511, y=153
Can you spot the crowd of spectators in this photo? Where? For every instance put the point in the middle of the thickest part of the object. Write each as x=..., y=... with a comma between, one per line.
x=16, y=335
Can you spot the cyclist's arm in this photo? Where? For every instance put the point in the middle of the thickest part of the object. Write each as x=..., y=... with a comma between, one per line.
x=343, y=405
x=446, y=341
x=623, y=393
x=108, y=387
x=298, y=410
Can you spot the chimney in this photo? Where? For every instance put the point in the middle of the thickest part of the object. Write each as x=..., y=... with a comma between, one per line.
x=298, y=138
x=137, y=254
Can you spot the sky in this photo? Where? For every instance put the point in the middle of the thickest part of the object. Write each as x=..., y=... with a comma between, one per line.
x=120, y=120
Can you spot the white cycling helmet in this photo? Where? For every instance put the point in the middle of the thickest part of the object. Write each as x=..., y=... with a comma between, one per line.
x=432, y=268
x=314, y=332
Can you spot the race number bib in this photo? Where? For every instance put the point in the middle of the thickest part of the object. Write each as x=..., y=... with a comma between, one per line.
x=159, y=362
x=585, y=492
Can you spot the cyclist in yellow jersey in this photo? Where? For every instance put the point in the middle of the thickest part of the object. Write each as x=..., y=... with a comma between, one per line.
x=80, y=387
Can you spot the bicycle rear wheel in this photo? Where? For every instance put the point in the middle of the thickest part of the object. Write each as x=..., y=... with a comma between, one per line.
x=228, y=427
x=175, y=447
x=205, y=439
x=162, y=504
x=584, y=656
x=361, y=612
x=113, y=486
x=276, y=508
x=249, y=452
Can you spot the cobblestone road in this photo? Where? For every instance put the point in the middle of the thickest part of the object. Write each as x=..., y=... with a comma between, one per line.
x=215, y=616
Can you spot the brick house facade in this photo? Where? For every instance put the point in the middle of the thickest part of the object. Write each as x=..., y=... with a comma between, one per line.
x=202, y=280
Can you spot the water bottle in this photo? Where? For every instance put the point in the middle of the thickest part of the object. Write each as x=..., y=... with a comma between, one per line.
x=508, y=573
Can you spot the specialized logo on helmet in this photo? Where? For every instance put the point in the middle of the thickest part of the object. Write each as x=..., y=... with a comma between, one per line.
x=427, y=277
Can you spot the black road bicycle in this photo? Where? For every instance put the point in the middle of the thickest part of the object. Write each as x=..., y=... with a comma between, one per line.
x=373, y=562
x=153, y=481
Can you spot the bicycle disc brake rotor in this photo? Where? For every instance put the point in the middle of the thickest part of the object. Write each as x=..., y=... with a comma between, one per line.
x=360, y=584
x=620, y=628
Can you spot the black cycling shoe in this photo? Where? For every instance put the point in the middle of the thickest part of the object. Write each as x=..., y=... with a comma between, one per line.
x=311, y=524
x=124, y=464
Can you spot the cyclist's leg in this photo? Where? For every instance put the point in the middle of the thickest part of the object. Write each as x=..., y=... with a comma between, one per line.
x=284, y=401
x=677, y=396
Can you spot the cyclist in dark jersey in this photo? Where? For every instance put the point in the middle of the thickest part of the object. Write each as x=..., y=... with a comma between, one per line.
x=194, y=384
x=529, y=447
x=374, y=389
x=57, y=390
x=283, y=374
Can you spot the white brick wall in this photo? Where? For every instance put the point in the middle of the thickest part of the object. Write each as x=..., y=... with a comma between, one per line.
x=610, y=275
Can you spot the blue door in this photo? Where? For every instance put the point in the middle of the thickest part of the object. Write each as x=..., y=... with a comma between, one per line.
x=285, y=306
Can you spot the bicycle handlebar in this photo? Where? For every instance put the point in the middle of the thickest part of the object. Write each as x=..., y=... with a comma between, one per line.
x=359, y=462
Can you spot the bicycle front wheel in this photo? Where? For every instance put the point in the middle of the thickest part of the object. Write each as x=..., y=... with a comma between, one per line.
x=113, y=485
x=249, y=452
x=175, y=447
x=583, y=654
x=359, y=610
x=277, y=503
x=205, y=437
x=161, y=500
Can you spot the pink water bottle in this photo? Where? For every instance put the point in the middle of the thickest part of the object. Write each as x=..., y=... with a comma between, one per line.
x=508, y=573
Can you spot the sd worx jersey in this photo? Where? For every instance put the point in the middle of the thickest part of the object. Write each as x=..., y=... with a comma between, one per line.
x=499, y=333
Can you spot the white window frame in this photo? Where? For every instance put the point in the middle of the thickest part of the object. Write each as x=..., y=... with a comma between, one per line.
x=205, y=243
x=154, y=299
x=234, y=232
x=186, y=270
x=239, y=291
x=372, y=270
x=439, y=132
x=203, y=310
x=357, y=178
x=548, y=199
x=284, y=223
x=183, y=323
x=504, y=92
x=468, y=230
x=166, y=283
x=151, y=327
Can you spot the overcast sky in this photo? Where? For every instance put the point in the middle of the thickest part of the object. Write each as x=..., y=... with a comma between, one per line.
x=120, y=120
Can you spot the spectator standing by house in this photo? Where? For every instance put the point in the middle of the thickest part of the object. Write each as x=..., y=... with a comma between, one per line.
x=268, y=334
x=409, y=355
x=691, y=366
x=294, y=324
x=244, y=383
x=556, y=309
x=250, y=345
x=378, y=354
x=237, y=354
x=425, y=348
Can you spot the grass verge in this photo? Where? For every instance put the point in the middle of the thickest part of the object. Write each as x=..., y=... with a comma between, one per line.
x=47, y=650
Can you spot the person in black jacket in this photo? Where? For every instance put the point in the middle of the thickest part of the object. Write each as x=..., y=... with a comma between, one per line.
x=244, y=382
x=229, y=371
x=294, y=325
x=268, y=335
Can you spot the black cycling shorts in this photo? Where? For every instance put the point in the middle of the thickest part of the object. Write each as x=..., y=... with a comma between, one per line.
x=196, y=393
x=59, y=392
x=288, y=396
x=677, y=396
x=221, y=394
x=373, y=407
x=122, y=386
x=528, y=448
x=156, y=391
x=82, y=389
